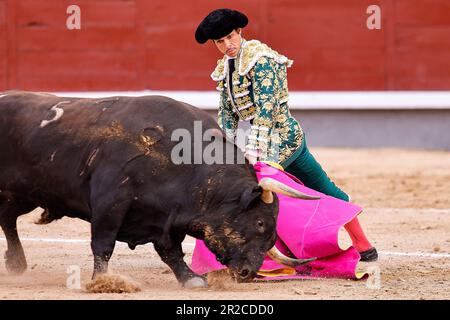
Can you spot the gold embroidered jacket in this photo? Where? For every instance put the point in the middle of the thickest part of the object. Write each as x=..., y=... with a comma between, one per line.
x=259, y=92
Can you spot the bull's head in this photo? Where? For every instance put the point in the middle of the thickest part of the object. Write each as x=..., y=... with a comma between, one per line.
x=242, y=230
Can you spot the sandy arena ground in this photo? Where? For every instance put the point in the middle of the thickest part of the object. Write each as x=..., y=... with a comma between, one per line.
x=407, y=216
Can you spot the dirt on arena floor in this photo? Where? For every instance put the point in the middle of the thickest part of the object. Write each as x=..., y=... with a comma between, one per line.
x=405, y=195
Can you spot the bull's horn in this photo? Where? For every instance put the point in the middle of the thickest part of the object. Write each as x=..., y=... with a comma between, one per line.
x=277, y=256
x=269, y=184
x=267, y=196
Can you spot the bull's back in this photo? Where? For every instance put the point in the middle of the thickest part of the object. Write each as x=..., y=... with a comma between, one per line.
x=41, y=117
x=50, y=139
x=29, y=109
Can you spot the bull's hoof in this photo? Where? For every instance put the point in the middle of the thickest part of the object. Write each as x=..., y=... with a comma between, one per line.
x=15, y=264
x=195, y=283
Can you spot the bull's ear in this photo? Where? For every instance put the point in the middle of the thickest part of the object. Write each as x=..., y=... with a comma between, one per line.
x=249, y=196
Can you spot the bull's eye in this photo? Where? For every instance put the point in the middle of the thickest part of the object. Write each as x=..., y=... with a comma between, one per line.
x=260, y=225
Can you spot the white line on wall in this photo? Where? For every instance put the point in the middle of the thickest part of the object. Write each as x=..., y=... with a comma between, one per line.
x=303, y=100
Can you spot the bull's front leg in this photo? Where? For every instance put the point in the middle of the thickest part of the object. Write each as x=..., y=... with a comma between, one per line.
x=105, y=225
x=110, y=202
x=104, y=229
x=172, y=254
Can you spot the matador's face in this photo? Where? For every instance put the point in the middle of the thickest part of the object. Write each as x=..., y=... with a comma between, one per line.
x=230, y=44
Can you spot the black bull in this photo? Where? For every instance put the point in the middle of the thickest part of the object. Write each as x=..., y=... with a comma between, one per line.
x=108, y=161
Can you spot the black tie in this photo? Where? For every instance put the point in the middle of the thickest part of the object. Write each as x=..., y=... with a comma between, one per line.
x=231, y=69
x=231, y=66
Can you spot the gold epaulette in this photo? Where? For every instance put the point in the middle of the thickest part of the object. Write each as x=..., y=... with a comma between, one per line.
x=251, y=52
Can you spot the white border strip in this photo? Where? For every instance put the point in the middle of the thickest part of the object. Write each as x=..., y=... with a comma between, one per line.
x=304, y=100
x=191, y=246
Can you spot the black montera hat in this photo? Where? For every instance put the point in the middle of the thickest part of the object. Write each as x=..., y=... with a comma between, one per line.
x=219, y=23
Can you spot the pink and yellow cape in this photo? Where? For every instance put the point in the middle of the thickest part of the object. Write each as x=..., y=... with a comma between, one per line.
x=306, y=228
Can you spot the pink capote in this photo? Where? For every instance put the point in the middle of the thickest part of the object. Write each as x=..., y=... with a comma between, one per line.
x=307, y=228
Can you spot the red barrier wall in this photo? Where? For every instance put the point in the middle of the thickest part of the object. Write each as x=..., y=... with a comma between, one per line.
x=140, y=44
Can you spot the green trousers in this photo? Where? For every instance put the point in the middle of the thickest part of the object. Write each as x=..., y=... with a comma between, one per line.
x=309, y=171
